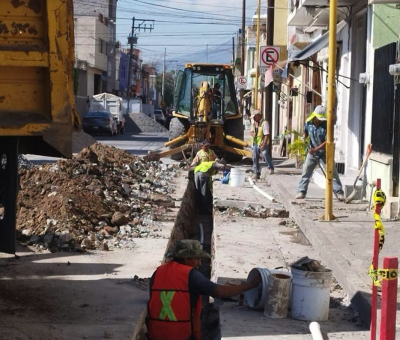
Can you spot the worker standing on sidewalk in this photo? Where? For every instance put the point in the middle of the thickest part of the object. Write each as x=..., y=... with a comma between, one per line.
x=205, y=154
x=260, y=139
x=315, y=128
x=175, y=294
x=203, y=181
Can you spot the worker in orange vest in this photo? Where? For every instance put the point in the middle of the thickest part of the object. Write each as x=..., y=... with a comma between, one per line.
x=175, y=293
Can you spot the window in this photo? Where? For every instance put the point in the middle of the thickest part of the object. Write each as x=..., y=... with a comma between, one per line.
x=103, y=46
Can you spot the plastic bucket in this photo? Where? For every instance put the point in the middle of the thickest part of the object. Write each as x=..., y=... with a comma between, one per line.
x=256, y=297
x=311, y=295
x=278, y=296
x=237, y=177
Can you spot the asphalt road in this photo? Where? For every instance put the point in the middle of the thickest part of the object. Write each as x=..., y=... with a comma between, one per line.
x=137, y=144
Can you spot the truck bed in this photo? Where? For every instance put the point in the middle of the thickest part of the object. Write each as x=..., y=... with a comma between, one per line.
x=36, y=75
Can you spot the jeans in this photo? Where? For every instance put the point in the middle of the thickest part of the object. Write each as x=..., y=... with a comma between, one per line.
x=203, y=190
x=256, y=159
x=308, y=167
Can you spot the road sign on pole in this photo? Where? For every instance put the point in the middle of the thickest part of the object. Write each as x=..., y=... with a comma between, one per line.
x=242, y=82
x=269, y=55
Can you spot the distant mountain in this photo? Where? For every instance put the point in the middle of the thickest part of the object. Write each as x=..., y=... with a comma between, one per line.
x=216, y=55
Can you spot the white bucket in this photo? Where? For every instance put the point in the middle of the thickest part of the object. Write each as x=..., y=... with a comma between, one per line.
x=278, y=296
x=256, y=297
x=237, y=177
x=311, y=295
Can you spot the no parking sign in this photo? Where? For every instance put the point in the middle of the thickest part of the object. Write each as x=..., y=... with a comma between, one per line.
x=269, y=55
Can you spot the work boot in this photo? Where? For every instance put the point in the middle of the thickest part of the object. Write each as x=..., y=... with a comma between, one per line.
x=300, y=195
x=341, y=197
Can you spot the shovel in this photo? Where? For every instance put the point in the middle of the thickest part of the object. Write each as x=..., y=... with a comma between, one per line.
x=354, y=192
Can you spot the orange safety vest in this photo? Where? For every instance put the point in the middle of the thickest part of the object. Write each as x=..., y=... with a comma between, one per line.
x=170, y=314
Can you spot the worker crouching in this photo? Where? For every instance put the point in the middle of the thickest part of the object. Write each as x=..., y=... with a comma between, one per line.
x=175, y=294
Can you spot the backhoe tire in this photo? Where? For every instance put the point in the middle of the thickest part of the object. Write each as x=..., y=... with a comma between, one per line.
x=235, y=128
x=177, y=127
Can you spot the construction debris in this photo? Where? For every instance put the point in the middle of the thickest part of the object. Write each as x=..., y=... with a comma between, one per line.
x=103, y=198
x=250, y=211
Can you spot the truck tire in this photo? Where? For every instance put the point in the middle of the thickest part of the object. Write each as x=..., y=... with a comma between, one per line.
x=177, y=127
x=235, y=128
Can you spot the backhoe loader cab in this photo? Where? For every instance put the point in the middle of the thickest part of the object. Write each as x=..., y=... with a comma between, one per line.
x=206, y=108
x=194, y=93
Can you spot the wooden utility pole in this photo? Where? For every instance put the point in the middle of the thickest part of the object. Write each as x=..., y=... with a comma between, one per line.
x=269, y=89
x=257, y=61
x=233, y=51
x=241, y=106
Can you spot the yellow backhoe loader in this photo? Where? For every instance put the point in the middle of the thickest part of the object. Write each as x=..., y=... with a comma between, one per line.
x=205, y=109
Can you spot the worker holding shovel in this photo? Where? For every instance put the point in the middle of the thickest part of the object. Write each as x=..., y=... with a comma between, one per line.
x=315, y=128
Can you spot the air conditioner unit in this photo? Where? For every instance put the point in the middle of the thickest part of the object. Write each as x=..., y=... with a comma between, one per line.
x=375, y=2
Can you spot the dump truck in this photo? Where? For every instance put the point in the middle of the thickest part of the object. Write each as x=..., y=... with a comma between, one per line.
x=111, y=103
x=37, y=113
x=202, y=115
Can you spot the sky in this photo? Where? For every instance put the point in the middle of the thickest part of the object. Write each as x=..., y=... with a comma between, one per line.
x=186, y=28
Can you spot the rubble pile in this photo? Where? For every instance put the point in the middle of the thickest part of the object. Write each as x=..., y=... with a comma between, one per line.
x=101, y=198
x=250, y=211
x=140, y=122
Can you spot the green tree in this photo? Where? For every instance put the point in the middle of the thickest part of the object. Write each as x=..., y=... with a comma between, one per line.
x=169, y=82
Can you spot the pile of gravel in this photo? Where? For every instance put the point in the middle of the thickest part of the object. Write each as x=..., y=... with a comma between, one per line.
x=140, y=122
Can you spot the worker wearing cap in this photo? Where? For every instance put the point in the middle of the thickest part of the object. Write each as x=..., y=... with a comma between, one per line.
x=259, y=140
x=205, y=154
x=203, y=181
x=176, y=288
x=315, y=129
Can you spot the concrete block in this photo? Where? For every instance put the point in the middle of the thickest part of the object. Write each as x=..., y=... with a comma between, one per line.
x=391, y=208
x=348, y=189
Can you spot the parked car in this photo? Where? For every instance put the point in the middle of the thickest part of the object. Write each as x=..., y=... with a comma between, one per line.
x=159, y=116
x=96, y=122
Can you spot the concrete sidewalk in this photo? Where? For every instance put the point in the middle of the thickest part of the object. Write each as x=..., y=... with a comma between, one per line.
x=242, y=243
x=344, y=245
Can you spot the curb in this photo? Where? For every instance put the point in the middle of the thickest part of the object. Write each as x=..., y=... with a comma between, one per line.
x=330, y=255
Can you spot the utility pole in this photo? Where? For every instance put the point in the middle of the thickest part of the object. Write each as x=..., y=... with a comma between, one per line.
x=163, y=76
x=241, y=106
x=330, y=145
x=132, y=40
x=233, y=51
x=269, y=89
x=130, y=65
x=257, y=56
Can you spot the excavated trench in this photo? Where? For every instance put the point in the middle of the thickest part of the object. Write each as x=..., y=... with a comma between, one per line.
x=191, y=225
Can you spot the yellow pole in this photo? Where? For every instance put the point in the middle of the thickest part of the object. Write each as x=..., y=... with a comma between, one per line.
x=257, y=57
x=330, y=145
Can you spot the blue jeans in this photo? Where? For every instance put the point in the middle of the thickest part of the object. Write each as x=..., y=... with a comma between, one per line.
x=308, y=167
x=256, y=159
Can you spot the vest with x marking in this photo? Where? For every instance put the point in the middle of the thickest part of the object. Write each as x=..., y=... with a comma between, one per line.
x=170, y=314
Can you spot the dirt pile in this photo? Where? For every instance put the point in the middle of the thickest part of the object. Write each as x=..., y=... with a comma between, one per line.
x=140, y=122
x=102, y=198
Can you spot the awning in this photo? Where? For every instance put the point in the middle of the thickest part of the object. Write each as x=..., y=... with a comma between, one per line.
x=316, y=45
